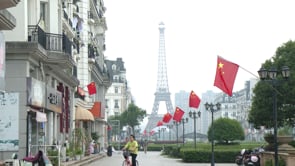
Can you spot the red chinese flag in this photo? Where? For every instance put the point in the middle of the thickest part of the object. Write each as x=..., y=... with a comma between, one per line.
x=194, y=100
x=167, y=117
x=226, y=72
x=178, y=114
x=160, y=123
x=91, y=88
x=152, y=132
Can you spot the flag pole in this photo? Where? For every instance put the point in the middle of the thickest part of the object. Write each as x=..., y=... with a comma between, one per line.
x=249, y=72
x=259, y=78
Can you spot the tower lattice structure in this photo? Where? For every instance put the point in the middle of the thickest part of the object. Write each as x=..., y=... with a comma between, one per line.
x=162, y=92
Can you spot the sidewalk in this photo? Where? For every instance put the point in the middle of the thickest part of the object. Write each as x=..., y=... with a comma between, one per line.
x=84, y=160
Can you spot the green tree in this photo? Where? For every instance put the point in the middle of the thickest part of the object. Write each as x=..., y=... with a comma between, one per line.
x=131, y=117
x=226, y=130
x=261, y=112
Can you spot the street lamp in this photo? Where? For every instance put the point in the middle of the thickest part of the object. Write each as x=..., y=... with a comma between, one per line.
x=270, y=75
x=169, y=127
x=195, y=115
x=183, y=121
x=116, y=124
x=159, y=130
x=176, y=124
x=163, y=130
x=212, y=108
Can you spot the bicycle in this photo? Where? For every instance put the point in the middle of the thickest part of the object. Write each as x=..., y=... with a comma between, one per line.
x=127, y=161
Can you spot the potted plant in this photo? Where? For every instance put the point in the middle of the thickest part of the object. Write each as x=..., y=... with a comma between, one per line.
x=78, y=153
x=284, y=138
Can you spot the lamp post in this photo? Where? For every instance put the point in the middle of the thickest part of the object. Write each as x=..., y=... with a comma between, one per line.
x=212, y=108
x=116, y=124
x=159, y=130
x=176, y=124
x=183, y=121
x=163, y=136
x=270, y=75
x=169, y=127
x=194, y=115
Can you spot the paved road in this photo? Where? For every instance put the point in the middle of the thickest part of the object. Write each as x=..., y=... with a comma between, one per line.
x=149, y=159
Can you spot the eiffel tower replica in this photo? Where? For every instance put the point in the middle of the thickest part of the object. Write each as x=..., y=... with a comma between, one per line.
x=162, y=91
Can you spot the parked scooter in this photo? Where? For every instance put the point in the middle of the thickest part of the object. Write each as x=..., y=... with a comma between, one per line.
x=249, y=157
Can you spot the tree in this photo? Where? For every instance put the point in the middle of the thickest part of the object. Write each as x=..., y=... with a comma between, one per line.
x=132, y=116
x=261, y=112
x=226, y=130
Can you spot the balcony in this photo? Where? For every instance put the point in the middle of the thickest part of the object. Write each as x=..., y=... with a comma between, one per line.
x=90, y=18
x=92, y=52
x=58, y=46
x=7, y=21
x=8, y=3
x=68, y=25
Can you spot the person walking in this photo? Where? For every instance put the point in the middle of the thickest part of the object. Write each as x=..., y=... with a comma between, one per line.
x=145, y=144
x=132, y=147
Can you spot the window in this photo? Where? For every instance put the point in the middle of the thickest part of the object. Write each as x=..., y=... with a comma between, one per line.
x=116, y=104
x=43, y=14
x=116, y=78
x=114, y=67
x=106, y=103
x=226, y=114
x=116, y=90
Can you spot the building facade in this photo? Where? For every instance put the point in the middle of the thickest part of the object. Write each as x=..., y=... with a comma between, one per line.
x=235, y=107
x=118, y=96
x=54, y=58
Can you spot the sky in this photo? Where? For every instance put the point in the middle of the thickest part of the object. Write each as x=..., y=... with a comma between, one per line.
x=196, y=32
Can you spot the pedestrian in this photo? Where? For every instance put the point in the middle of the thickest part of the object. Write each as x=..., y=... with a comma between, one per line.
x=145, y=144
x=132, y=147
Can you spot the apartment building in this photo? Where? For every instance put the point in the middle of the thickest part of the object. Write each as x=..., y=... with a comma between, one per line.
x=55, y=64
x=118, y=96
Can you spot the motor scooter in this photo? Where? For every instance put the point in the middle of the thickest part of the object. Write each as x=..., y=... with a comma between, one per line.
x=249, y=157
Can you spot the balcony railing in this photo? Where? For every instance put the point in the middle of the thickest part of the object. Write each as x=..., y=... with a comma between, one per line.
x=90, y=15
x=91, y=51
x=50, y=41
x=66, y=15
x=68, y=19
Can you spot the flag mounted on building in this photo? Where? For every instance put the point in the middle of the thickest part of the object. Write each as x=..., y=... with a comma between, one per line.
x=226, y=72
x=194, y=100
x=91, y=88
x=178, y=114
x=167, y=117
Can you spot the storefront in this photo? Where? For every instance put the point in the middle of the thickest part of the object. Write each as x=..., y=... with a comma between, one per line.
x=44, y=108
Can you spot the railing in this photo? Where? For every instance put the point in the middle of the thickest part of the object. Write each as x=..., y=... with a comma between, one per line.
x=67, y=45
x=67, y=18
x=54, y=42
x=91, y=51
x=90, y=15
x=50, y=41
x=66, y=15
x=71, y=23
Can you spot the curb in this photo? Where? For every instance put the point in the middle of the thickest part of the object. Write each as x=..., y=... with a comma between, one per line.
x=84, y=160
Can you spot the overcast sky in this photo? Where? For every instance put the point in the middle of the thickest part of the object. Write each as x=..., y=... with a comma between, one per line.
x=244, y=32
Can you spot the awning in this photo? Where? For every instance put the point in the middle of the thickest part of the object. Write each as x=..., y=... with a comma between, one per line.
x=83, y=114
x=96, y=110
x=41, y=117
